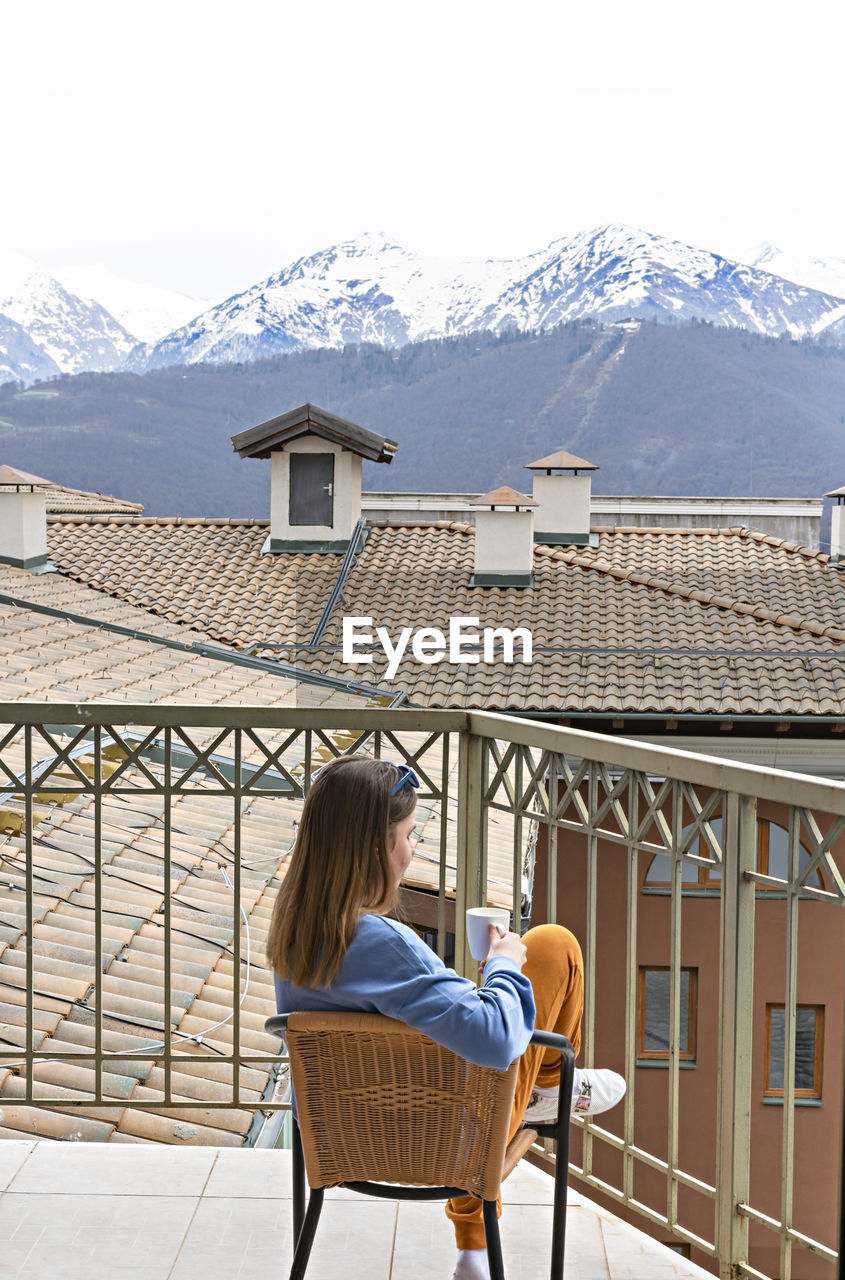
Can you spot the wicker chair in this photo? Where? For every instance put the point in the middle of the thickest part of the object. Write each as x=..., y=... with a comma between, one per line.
x=385, y=1111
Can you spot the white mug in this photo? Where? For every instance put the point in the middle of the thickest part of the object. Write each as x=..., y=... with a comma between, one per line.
x=478, y=931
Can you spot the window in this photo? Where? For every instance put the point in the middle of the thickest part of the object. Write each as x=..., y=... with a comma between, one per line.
x=653, y=1014
x=694, y=875
x=773, y=854
x=809, y=1050
x=772, y=860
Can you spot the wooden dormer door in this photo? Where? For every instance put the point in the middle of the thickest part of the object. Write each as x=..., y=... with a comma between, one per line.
x=312, y=489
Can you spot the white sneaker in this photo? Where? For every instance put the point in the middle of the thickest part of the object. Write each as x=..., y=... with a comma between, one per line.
x=594, y=1090
x=542, y=1109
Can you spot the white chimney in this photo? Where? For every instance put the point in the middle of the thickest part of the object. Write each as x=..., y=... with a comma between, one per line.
x=837, y=524
x=315, y=476
x=23, y=519
x=504, y=539
x=563, y=499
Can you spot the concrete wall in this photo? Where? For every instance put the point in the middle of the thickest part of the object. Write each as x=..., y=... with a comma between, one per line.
x=795, y=519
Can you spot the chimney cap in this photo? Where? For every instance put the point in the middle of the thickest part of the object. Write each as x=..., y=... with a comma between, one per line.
x=311, y=420
x=561, y=461
x=12, y=478
x=836, y=493
x=504, y=496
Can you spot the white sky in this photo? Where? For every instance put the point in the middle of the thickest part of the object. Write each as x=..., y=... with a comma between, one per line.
x=204, y=145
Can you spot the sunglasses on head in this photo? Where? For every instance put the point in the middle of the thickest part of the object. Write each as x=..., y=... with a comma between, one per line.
x=407, y=777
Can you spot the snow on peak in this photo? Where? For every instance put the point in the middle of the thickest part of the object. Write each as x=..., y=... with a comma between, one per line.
x=147, y=311
x=824, y=273
x=369, y=288
x=16, y=274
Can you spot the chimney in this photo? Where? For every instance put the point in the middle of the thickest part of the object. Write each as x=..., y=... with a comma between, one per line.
x=504, y=539
x=563, y=499
x=23, y=520
x=315, y=476
x=837, y=525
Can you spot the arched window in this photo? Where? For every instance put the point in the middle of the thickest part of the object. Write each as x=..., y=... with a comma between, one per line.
x=705, y=877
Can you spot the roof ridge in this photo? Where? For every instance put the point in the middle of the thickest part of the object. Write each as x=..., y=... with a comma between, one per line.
x=722, y=531
x=573, y=556
x=68, y=517
x=458, y=526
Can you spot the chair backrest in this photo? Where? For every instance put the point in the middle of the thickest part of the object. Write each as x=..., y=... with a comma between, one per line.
x=377, y=1101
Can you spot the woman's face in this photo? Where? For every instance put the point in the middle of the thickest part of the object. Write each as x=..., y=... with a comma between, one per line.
x=401, y=851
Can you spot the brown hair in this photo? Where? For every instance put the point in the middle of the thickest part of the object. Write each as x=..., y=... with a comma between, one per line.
x=339, y=867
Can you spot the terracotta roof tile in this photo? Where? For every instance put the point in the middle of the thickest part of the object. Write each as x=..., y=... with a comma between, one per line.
x=131, y=956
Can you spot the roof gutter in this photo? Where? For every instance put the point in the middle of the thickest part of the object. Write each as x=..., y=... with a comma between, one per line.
x=685, y=716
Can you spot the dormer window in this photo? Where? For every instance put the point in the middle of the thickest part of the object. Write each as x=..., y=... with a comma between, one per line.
x=315, y=476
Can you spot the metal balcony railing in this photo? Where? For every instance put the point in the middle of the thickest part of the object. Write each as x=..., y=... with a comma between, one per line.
x=143, y=846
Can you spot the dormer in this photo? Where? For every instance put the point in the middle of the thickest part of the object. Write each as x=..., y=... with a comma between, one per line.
x=315, y=476
x=23, y=520
x=562, y=490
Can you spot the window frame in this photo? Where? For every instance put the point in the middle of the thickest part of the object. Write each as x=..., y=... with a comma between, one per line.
x=706, y=883
x=649, y=1056
x=810, y=1095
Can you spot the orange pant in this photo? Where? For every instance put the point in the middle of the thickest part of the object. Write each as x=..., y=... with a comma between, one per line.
x=556, y=970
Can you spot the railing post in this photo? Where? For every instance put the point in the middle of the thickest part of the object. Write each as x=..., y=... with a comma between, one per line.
x=471, y=872
x=736, y=1007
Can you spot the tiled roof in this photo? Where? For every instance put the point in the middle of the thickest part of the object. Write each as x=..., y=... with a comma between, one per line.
x=132, y=886
x=46, y=655
x=64, y=642
x=715, y=622
x=208, y=575
x=61, y=499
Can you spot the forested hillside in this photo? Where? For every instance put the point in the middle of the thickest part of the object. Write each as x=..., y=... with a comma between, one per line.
x=662, y=409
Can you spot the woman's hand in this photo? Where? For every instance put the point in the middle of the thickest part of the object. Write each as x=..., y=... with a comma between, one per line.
x=508, y=944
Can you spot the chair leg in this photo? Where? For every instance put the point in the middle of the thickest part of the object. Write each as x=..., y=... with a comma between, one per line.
x=559, y=1210
x=494, y=1243
x=561, y=1169
x=306, y=1236
x=298, y=1162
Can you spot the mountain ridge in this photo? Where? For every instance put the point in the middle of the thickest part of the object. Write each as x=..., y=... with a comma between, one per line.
x=371, y=289
x=663, y=409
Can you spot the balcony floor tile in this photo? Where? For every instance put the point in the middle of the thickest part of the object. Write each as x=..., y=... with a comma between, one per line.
x=87, y=1211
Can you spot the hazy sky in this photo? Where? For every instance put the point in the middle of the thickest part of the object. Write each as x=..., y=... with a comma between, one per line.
x=202, y=146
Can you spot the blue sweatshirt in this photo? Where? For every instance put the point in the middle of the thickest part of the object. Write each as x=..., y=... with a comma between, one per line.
x=388, y=969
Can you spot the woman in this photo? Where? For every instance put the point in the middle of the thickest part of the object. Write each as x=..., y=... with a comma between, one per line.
x=332, y=946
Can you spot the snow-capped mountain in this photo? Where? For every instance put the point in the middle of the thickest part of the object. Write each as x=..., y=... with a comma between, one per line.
x=373, y=290
x=146, y=311
x=73, y=334
x=364, y=290
x=825, y=274
x=21, y=359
